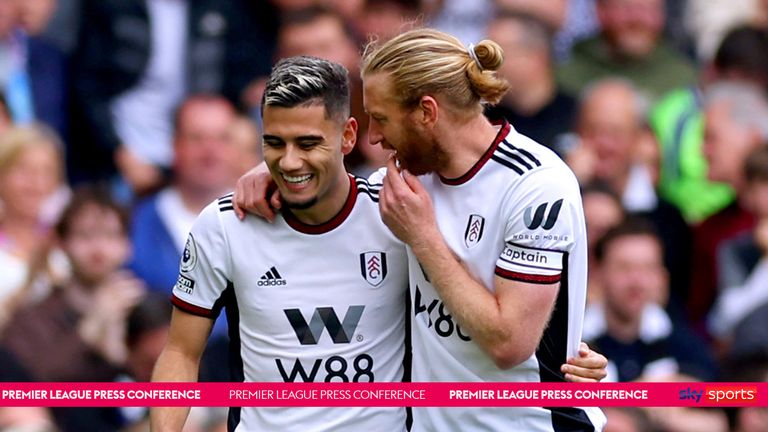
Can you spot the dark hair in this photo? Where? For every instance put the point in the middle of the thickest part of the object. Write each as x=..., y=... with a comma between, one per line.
x=630, y=226
x=85, y=196
x=154, y=312
x=307, y=81
x=600, y=187
x=740, y=50
x=756, y=166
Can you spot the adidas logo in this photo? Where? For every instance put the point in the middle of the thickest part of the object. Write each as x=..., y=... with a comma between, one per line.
x=271, y=278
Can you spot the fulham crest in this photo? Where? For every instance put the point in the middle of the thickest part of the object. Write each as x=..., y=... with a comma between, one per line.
x=373, y=267
x=474, y=231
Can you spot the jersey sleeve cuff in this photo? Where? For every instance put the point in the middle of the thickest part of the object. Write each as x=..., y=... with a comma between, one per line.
x=529, y=278
x=190, y=308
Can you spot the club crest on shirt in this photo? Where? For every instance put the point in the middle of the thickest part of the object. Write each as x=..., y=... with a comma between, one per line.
x=373, y=267
x=474, y=231
x=189, y=256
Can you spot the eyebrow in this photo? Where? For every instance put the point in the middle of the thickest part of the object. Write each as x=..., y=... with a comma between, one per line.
x=299, y=138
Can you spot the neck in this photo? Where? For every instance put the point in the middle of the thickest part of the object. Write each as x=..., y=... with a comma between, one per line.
x=195, y=199
x=530, y=98
x=328, y=205
x=23, y=232
x=624, y=329
x=465, y=143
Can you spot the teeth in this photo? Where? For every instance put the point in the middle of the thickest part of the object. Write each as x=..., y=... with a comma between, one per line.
x=297, y=179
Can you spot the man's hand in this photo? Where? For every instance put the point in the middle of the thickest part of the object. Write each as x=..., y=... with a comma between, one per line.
x=588, y=367
x=251, y=193
x=141, y=175
x=406, y=207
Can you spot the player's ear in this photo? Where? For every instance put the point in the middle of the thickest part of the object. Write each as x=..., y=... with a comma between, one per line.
x=349, y=135
x=428, y=111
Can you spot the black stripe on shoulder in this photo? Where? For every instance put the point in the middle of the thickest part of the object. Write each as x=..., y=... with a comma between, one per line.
x=225, y=202
x=522, y=151
x=370, y=190
x=508, y=164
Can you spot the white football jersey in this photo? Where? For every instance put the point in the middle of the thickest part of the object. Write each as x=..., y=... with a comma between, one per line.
x=322, y=303
x=516, y=214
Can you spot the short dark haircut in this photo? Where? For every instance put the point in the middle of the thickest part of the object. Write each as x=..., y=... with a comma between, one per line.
x=739, y=51
x=756, y=166
x=85, y=196
x=630, y=226
x=602, y=188
x=304, y=81
x=152, y=313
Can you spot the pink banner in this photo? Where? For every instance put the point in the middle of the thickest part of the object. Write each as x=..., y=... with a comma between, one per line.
x=692, y=394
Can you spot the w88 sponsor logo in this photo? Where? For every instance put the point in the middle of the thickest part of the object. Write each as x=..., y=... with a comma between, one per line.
x=337, y=369
x=437, y=317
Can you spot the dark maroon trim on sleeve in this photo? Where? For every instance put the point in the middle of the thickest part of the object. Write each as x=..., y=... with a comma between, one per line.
x=337, y=220
x=524, y=277
x=503, y=131
x=190, y=308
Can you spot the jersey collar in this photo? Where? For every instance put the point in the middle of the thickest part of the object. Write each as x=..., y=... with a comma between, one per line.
x=335, y=221
x=503, y=131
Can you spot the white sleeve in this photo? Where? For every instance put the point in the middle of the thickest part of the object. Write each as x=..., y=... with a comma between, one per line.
x=544, y=220
x=204, y=268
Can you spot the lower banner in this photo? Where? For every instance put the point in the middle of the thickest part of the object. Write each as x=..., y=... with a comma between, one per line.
x=502, y=394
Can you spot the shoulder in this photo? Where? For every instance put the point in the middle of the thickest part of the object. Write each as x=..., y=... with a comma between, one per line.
x=533, y=165
x=369, y=188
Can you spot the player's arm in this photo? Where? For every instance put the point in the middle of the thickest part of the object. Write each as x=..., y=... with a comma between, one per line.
x=508, y=323
x=179, y=362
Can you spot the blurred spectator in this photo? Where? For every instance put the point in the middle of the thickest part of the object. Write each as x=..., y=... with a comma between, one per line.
x=137, y=60
x=709, y=20
x=32, y=75
x=630, y=45
x=679, y=126
x=630, y=328
x=30, y=174
x=384, y=19
x=613, y=150
x=204, y=168
x=735, y=124
x=602, y=211
x=742, y=262
x=77, y=333
x=534, y=104
x=465, y=19
x=247, y=139
x=34, y=15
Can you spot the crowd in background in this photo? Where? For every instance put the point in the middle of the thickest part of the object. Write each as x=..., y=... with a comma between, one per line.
x=120, y=120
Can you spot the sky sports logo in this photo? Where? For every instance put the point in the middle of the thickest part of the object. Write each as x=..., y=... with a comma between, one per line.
x=726, y=394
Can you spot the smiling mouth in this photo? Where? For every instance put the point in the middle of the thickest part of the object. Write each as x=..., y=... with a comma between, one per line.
x=297, y=180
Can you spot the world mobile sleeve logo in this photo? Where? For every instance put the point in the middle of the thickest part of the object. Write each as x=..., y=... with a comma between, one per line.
x=721, y=394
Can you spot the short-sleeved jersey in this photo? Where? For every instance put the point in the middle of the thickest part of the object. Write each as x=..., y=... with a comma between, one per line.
x=305, y=303
x=516, y=214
